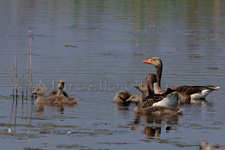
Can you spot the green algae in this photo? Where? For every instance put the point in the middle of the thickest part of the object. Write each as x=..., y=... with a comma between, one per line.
x=34, y=118
x=115, y=143
x=211, y=68
x=121, y=126
x=95, y=132
x=44, y=132
x=20, y=134
x=70, y=45
x=32, y=148
x=16, y=125
x=146, y=140
x=57, y=126
x=70, y=146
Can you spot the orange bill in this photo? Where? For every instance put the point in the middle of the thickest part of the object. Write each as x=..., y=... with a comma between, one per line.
x=147, y=61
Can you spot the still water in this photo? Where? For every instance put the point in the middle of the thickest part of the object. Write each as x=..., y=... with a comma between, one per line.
x=97, y=48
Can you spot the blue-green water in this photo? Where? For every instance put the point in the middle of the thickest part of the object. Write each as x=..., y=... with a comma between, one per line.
x=97, y=48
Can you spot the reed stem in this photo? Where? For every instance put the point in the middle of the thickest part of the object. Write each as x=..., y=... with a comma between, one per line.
x=16, y=80
x=27, y=85
x=12, y=81
x=22, y=85
x=30, y=65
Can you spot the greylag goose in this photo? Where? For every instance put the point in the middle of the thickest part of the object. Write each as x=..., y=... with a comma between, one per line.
x=121, y=97
x=167, y=99
x=155, y=110
x=185, y=92
x=53, y=100
x=143, y=89
x=59, y=91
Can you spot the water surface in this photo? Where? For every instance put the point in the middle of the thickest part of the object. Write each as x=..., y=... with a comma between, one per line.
x=97, y=48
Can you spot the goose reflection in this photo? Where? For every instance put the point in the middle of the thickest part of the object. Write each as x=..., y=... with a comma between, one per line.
x=154, y=125
x=41, y=109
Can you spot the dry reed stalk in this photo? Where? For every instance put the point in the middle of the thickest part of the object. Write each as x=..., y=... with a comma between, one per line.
x=27, y=85
x=14, y=125
x=12, y=81
x=11, y=114
x=30, y=65
x=16, y=80
x=22, y=84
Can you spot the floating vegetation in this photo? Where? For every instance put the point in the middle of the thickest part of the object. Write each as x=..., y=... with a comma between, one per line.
x=195, y=125
x=115, y=143
x=218, y=123
x=200, y=127
x=58, y=126
x=96, y=132
x=211, y=68
x=70, y=45
x=138, y=54
x=35, y=118
x=32, y=148
x=183, y=144
x=6, y=97
x=110, y=54
x=169, y=141
x=196, y=56
x=165, y=141
x=87, y=133
x=70, y=146
x=17, y=125
x=146, y=140
x=44, y=132
x=20, y=134
x=120, y=126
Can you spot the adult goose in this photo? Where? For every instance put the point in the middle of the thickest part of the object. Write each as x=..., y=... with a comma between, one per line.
x=185, y=92
x=155, y=110
x=59, y=91
x=167, y=99
x=53, y=100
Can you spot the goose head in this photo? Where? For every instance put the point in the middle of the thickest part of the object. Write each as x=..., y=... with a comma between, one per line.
x=155, y=61
x=141, y=87
x=133, y=98
x=61, y=84
x=39, y=91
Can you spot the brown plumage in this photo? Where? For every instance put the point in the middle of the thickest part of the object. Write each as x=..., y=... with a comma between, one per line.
x=59, y=91
x=153, y=105
x=185, y=92
x=142, y=108
x=135, y=99
x=141, y=87
x=121, y=97
x=163, y=99
x=160, y=111
x=53, y=100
